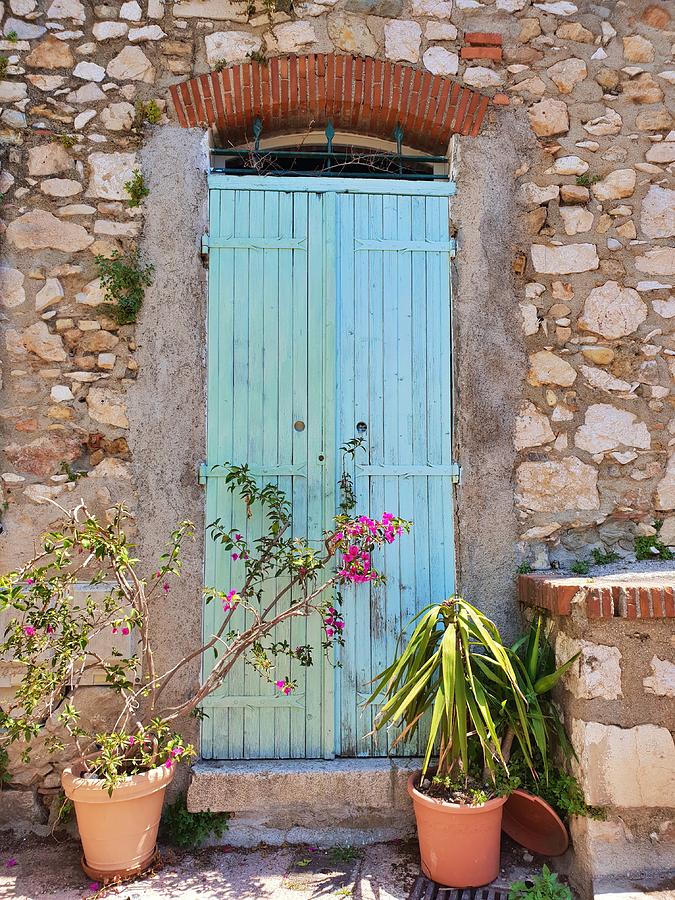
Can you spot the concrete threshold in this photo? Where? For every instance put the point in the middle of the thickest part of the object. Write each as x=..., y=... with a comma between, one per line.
x=323, y=803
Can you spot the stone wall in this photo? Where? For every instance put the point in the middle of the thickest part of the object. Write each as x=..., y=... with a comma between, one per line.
x=618, y=705
x=579, y=271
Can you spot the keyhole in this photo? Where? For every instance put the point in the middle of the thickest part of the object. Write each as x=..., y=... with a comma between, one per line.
x=299, y=425
x=321, y=457
x=361, y=427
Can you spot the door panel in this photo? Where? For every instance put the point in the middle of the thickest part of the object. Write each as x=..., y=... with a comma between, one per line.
x=394, y=376
x=267, y=365
x=329, y=304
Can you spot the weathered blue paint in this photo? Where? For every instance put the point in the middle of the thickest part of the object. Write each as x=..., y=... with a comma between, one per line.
x=329, y=304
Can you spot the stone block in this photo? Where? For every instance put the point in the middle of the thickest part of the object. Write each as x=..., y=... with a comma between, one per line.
x=19, y=811
x=661, y=682
x=596, y=673
x=625, y=767
x=611, y=850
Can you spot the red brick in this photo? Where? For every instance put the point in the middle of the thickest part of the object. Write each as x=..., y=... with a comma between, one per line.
x=644, y=603
x=501, y=100
x=631, y=603
x=607, y=602
x=178, y=106
x=481, y=53
x=593, y=605
x=658, y=607
x=483, y=37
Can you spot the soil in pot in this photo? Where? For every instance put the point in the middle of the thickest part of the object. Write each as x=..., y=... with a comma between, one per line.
x=118, y=832
x=459, y=843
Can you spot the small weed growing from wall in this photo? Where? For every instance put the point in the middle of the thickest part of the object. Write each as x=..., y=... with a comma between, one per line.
x=147, y=112
x=268, y=6
x=68, y=140
x=524, y=568
x=12, y=37
x=587, y=180
x=186, y=829
x=4, y=62
x=600, y=558
x=580, y=567
x=72, y=475
x=136, y=188
x=219, y=65
x=258, y=56
x=651, y=546
x=124, y=281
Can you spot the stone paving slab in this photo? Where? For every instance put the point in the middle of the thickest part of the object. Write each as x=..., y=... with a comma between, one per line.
x=33, y=868
x=46, y=868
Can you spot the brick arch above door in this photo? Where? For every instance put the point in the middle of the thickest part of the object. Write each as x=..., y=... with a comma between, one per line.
x=367, y=96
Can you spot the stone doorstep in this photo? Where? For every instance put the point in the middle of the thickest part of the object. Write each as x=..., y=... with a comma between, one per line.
x=323, y=802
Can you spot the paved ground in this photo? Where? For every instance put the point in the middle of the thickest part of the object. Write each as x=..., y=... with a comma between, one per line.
x=34, y=868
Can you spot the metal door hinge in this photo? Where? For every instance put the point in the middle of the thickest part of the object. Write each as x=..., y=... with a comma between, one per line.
x=456, y=473
x=202, y=474
x=205, y=248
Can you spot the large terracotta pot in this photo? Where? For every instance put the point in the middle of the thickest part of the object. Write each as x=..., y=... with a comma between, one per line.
x=459, y=845
x=118, y=832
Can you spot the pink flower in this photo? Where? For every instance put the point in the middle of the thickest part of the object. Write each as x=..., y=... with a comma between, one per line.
x=132, y=741
x=235, y=556
x=11, y=863
x=287, y=689
x=340, y=626
x=29, y=631
x=30, y=581
x=166, y=587
x=94, y=886
x=125, y=630
x=177, y=751
x=158, y=574
x=280, y=684
x=386, y=518
x=50, y=629
x=330, y=632
x=168, y=763
x=238, y=537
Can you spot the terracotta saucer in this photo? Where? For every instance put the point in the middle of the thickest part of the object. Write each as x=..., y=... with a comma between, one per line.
x=122, y=875
x=531, y=822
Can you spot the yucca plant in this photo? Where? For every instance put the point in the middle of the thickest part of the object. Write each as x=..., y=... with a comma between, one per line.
x=456, y=675
x=534, y=663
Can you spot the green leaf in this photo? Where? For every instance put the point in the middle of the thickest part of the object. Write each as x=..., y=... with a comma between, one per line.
x=548, y=682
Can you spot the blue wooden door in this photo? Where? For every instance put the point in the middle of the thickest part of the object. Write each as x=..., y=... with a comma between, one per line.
x=329, y=318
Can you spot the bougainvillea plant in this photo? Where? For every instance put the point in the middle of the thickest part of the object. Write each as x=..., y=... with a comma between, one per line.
x=54, y=634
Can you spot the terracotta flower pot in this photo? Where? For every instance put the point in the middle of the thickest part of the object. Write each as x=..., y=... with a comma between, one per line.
x=118, y=832
x=459, y=845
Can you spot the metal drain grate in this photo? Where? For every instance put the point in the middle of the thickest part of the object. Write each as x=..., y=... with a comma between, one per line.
x=429, y=890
